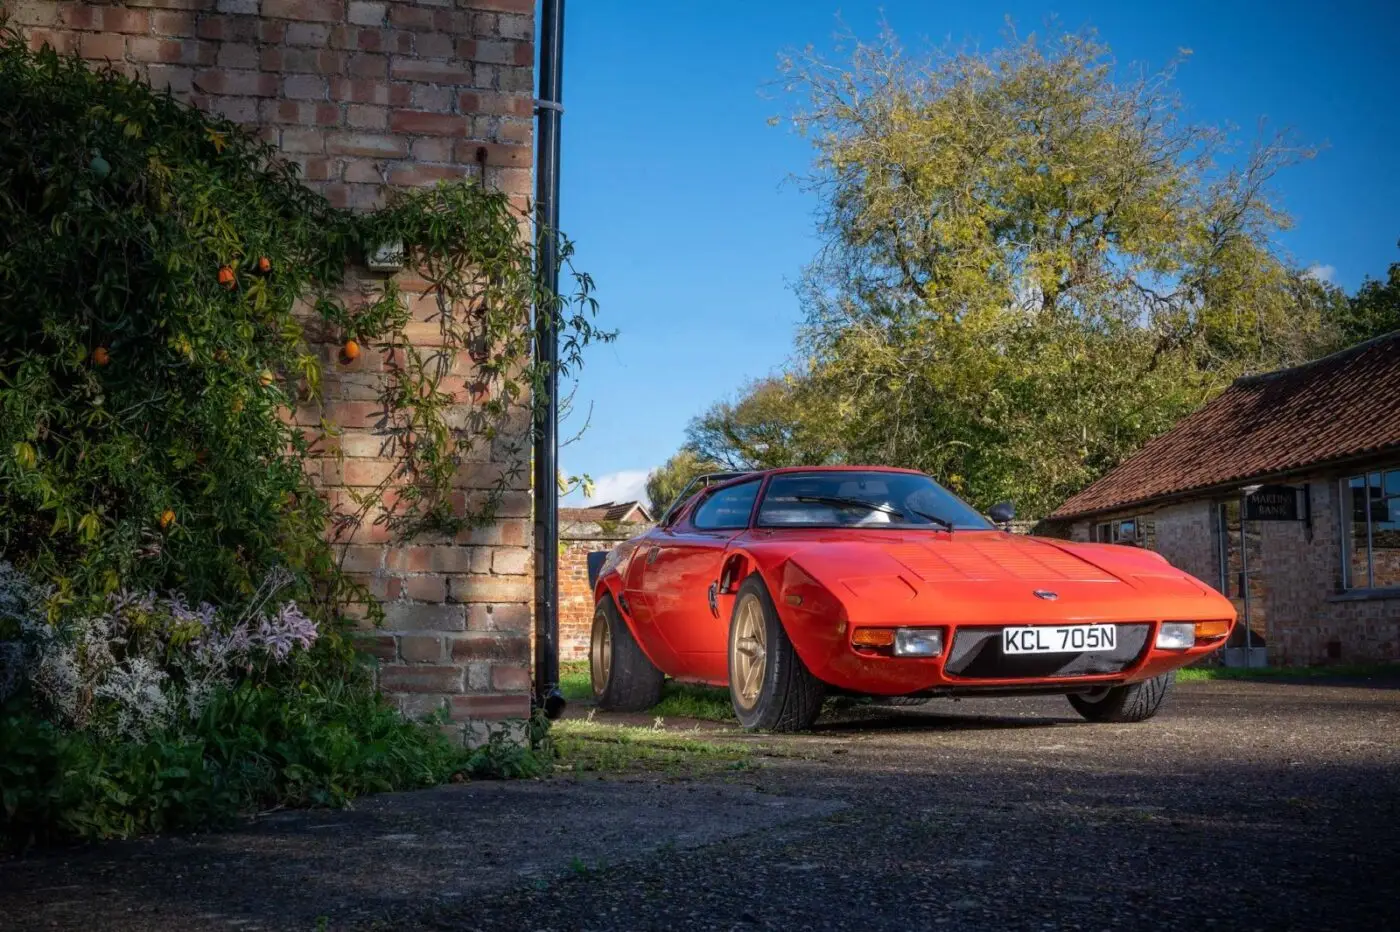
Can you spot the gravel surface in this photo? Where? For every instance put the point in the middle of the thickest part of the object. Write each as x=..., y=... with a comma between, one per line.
x=1242, y=806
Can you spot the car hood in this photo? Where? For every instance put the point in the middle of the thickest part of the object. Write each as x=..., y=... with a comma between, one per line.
x=993, y=577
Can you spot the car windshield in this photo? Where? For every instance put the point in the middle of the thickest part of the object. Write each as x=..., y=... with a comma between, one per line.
x=864, y=499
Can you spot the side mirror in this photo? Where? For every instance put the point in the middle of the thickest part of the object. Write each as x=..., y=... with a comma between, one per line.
x=1002, y=512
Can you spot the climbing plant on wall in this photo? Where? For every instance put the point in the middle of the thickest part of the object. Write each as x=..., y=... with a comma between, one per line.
x=162, y=279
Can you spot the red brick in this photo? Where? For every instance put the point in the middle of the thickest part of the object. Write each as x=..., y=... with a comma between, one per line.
x=64, y=43
x=96, y=46
x=489, y=102
x=380, y=646
x=241, y=83
x=362, y=559
x=370, y=91
x=319, y=11
x=435, y=45
x=474, y=588
x=167, y=23
x=490, y=647
x=515, y=560
x=421, y=679
x=510, y=678
x=303, y=140
x=514, y=618
x=425, y=588
x=413, y=176
x=304, y=87
x=364, y=13
x=238, y=55
x=350, y=413
x=505, y=6
x=317, y=34
x=433, y=72
x=422, y=123
x=411, y=17
x=489, y=708
x=418, y=616
x=420, y=648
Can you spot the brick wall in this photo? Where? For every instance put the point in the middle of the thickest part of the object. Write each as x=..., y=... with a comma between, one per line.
x=576, y=542
x=1305, y=617
x=367, y=95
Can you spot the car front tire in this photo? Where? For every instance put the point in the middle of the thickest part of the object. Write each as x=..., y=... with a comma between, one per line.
x=624, y=680
x=1136, y=702
x=770, y=687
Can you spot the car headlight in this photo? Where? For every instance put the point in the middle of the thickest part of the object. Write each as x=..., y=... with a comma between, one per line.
x=918, y=642
x=1176, y=635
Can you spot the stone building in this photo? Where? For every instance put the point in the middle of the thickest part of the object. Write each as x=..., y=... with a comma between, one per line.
x=583, y=531
x=366, y=95
x=1284, y=493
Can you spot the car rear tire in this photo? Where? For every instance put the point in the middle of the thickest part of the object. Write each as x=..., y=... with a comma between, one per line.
x=1136, y=702
x=770, y=687
x=624, y=680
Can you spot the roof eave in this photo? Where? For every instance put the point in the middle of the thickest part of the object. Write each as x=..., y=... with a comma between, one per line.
x=1179, y=495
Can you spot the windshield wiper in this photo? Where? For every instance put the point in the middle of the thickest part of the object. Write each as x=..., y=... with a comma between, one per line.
x=934, y=519
x=857, y=502
x=875, y=506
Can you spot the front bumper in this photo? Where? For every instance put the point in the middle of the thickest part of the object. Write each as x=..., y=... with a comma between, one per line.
x=973, y=660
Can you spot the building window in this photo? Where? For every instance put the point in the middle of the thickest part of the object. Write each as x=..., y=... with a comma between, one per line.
x=1124, y=531
x=1372, y=539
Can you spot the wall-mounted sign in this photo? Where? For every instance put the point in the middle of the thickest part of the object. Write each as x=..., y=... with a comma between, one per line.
x=1274, y=503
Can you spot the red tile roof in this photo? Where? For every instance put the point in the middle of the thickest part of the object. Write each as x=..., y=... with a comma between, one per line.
x=1340, y=406
x=621, y=512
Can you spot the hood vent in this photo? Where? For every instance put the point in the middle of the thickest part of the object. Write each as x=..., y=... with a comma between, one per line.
x=993, y=560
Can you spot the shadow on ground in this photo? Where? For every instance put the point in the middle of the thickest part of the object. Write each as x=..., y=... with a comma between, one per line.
x=1243, y=805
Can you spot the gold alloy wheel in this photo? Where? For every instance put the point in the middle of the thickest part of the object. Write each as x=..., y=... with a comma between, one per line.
x=600, y=653
x=748, y=652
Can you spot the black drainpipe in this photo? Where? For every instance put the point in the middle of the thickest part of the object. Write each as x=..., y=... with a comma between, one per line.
x=548, y=110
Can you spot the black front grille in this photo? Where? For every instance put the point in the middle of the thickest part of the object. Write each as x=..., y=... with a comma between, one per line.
x=977, y=654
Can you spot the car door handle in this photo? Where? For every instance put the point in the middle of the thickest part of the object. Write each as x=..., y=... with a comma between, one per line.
x=652, y=554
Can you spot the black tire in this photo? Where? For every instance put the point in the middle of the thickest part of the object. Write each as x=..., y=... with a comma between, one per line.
x=1136, y=702
x=789, y=697
x=627, y=681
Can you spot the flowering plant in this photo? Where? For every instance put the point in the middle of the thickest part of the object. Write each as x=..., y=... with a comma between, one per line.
x=146, y=661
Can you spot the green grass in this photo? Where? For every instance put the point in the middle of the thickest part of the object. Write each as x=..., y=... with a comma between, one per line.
x=587, y=746
x=678, y=700
x=1338, y=671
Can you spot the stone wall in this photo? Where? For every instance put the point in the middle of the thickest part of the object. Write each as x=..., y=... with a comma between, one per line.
x=576, y=542
x=1306, y=617
x=367, y=95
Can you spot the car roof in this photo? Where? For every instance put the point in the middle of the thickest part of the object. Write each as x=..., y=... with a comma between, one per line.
x=735, y=478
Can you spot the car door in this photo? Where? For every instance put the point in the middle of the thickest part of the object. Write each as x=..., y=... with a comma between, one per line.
x=688, y=563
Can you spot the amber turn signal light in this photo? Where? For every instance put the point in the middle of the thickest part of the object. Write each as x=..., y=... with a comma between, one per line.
x=1205, y=630
x=872, y=637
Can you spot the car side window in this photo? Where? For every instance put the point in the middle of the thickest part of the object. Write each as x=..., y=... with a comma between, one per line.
x=726, y=510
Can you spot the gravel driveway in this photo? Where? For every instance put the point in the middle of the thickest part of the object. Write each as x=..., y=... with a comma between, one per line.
x=1242, y=806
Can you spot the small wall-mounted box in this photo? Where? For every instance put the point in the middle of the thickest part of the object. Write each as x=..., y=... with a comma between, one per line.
x=386, y=257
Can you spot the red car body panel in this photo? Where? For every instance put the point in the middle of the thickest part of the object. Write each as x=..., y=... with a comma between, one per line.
x=675, y=586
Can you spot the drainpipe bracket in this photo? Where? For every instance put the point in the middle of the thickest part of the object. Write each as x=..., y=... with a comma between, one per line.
x=548, y=105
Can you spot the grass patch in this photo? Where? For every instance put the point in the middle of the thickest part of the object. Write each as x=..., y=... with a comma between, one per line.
x=1338, y=671
x=678, y=700
x=587, y=746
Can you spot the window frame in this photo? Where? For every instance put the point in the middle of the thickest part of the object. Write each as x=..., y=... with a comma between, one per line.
x=1109, y=532
x=1347, y=509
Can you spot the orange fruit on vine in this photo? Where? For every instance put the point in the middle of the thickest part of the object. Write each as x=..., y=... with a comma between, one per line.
x=351, y=351
x=100, y=356
x=264, y=264
x=167, y=518
x=226, y=277
x=266, y=378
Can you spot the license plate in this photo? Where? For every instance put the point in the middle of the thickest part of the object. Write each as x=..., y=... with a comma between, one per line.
x=1053, y=639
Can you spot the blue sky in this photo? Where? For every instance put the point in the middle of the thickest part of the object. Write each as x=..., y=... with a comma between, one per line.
x=677, y=193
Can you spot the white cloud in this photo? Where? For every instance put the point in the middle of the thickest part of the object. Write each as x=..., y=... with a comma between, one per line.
x=626, y=485
x=1322, y=273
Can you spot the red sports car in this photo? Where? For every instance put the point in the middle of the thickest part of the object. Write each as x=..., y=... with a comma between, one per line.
x=791, y=584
